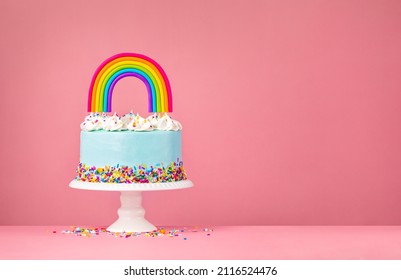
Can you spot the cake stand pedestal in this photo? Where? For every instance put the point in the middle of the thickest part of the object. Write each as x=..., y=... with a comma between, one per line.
x=131, y=215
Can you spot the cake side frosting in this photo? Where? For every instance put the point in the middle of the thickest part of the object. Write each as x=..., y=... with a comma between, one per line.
x=103, y=148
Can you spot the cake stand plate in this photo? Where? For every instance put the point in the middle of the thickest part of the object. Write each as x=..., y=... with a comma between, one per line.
x=131, y=215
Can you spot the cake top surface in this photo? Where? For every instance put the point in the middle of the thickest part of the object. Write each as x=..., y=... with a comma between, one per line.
x=131, y=121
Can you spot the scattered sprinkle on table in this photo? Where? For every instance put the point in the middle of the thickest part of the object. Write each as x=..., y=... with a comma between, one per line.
x=160, y=232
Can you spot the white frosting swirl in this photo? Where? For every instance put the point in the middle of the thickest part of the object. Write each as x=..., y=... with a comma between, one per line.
x=127, y=119
x=113, y=123
x=140, y=124
x=130, y=121
x=92, y=122
x=153, y=119
x=167, y=123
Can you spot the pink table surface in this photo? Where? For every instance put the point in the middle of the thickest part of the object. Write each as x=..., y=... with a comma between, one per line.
x=225, y=242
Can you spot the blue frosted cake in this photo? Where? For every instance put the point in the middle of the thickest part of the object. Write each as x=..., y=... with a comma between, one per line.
x=130, y=149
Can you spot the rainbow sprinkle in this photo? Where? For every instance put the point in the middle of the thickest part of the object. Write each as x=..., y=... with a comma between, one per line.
x=128, y=175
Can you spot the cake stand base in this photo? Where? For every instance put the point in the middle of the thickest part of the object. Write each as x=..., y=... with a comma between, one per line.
x=131, y=215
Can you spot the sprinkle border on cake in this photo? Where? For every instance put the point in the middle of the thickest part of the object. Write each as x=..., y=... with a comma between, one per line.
x=159, y=173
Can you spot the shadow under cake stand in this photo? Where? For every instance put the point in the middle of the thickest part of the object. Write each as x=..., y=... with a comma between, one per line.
x=131, y=215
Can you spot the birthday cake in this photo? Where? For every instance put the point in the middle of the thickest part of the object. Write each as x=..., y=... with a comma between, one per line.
x=130, y=149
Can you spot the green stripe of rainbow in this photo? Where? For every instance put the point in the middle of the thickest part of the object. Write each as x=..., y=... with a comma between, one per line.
x=130, y=65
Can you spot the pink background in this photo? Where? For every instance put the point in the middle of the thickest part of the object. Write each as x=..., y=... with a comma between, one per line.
x=291, y=109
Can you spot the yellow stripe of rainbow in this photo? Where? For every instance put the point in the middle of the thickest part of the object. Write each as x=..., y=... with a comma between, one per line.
x=130, y=65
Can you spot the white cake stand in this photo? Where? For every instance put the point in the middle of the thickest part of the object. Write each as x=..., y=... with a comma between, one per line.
x=131, y=215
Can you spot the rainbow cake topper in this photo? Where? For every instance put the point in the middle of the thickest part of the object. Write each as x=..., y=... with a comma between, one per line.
x=130, y=65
